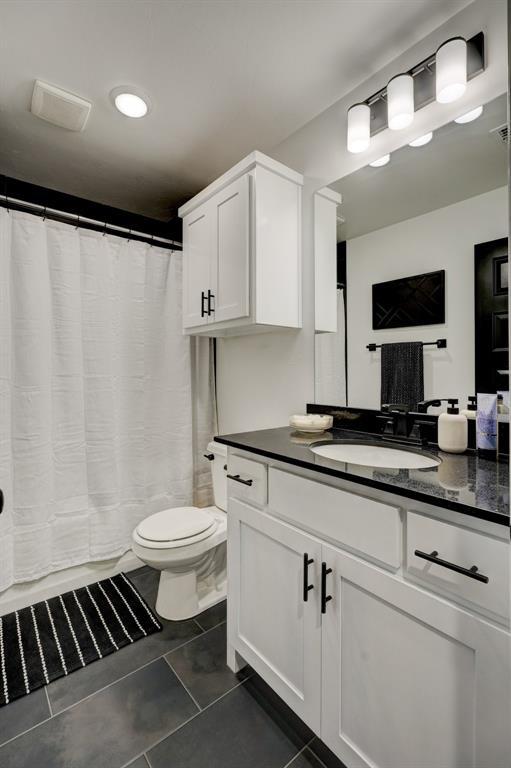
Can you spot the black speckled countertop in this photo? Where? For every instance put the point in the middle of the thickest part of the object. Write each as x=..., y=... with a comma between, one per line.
x=464, y=483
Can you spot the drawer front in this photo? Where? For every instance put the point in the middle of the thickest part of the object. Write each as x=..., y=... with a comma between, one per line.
x=463, y=548
x=248, y=480
x=363, y=525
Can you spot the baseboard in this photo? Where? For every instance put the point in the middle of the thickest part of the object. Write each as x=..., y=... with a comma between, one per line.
x=22, y=595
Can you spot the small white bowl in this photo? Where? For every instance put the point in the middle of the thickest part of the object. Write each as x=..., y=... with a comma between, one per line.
x=311, y=422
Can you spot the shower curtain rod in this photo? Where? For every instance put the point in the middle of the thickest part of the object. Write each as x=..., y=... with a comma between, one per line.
x=83, y=221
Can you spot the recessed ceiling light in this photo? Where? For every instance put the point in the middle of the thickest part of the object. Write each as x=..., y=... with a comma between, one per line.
x=383, y=160
x=422, y=140
x=129, y=103
x=469, y=116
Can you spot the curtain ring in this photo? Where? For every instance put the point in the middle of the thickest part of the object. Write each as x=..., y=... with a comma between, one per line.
x=152, y=241
x=104, y=229
x=77, y=221
x=129, y=236
x=44, y=213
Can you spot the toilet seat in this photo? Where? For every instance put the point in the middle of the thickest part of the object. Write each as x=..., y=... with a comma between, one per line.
x=178, y=527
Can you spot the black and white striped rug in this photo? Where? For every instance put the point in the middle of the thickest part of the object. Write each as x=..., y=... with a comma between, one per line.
x=55, y=637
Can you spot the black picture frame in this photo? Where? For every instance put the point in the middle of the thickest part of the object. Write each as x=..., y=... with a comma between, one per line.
x=409, y=301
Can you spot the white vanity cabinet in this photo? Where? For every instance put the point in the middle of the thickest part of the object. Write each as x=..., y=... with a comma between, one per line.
x=242, y=251
x=277, y=631
x=407, y=678
x=386, y=671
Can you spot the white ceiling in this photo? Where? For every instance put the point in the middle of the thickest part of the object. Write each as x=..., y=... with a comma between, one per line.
x=461, y=161
x=224, y=77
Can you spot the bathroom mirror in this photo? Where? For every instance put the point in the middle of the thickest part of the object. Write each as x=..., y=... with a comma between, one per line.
x=422, y=257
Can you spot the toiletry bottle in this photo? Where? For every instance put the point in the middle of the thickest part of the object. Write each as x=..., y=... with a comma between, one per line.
x=452, y=429
x=471, y=412
x=486, y=424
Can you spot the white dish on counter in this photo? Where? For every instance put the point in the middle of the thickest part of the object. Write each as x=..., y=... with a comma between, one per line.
x=311, y=423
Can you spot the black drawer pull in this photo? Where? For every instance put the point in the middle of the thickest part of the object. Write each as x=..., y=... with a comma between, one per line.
x=203, y=312
x=472, y=573
x=210, y=296
x=1, y=501
x=209, y=456
x=306, y=586
x=324, y=597
x=240, y=479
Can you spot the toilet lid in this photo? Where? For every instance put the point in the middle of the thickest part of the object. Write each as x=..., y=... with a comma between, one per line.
x=175, y=524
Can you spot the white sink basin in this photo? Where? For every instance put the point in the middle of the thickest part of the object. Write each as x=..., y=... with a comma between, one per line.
x=369, y=455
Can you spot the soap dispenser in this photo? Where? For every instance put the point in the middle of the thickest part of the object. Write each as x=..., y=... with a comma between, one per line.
x=471, y=413
x=452, y=429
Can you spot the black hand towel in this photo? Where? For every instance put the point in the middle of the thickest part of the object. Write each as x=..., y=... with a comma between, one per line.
x=402, y=374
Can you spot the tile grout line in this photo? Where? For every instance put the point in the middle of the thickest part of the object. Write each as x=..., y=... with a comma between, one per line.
x=184, y=686
x=223, y=621
x=123, y=677
x=301, y=751
x=178, y=728
x=48, y=700
x=32, y=727
x=103, y=688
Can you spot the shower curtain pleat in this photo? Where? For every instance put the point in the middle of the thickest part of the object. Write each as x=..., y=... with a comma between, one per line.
x=95, y=393
x=330, y=362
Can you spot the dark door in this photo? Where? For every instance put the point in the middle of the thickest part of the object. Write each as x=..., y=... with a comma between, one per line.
x=491, y=316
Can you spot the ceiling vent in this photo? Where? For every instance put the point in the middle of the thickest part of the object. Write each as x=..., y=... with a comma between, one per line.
x=501, y=132
x=59, y=107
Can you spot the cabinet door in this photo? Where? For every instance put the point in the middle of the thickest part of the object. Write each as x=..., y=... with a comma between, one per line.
x=409, y=681
x=270, y=624
x=197, y=254
x=230, y=264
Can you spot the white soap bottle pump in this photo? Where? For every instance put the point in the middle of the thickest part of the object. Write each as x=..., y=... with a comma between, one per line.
x=452, y=429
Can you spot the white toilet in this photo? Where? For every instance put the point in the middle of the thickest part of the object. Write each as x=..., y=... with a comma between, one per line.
x=188, y=545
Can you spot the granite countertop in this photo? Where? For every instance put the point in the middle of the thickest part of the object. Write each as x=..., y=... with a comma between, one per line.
x=464, y=483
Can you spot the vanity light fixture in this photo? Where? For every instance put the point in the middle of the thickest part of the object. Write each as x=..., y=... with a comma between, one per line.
x=469, y=116
x=451, y=70
x=400, y=103
x=128, y=103
x=359, y=116
x=442, y=75
x=421, y=140
x=383, y=160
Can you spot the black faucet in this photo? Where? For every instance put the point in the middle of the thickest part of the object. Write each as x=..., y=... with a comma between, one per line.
x=402, y=420
x=423, y=407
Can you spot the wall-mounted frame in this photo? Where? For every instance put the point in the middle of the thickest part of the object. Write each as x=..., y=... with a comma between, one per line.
x=409, y=301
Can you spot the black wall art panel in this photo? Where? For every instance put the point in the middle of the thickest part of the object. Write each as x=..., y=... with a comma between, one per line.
x=409, y=301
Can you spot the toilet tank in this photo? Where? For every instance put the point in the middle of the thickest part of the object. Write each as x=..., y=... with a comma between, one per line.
x=219, y=473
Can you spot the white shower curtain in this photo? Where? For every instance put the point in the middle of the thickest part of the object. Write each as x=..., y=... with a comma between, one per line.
x=96, y=411
x=330, y=364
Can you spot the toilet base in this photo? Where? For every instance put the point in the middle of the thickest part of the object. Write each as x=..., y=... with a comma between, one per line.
x=179, y=599
x=185, y=592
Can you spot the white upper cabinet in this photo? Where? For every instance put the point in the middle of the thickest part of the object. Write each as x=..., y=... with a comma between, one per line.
x=325, y=258
x=242, y=251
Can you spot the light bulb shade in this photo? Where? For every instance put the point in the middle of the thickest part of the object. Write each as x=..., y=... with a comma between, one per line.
x=422, y=140
x=383, y=160
x=469, y=116
x=359, y=119
x=400, y=102
x=451, y=70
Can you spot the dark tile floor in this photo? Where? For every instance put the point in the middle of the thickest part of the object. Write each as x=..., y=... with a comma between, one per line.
x=167, y=701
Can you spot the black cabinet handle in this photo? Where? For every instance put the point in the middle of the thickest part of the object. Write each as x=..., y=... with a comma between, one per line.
x=324, y=597
x=240, y=479
x=306, y=586
x=210, y=296
x=209, y=456
x=471, y=573
x=203, y=312
x=1, y=501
